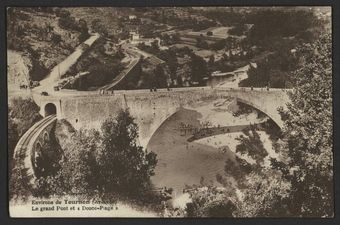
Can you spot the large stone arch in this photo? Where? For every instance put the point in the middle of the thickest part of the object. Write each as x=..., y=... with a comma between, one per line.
x=150, y=110
x=145, y=141
x=271, y=112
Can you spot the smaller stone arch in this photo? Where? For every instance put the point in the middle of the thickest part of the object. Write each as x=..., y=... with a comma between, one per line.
x=38, y=147
x=39, y=161
x=37, y=153
x=46, y=136
x=50, y=109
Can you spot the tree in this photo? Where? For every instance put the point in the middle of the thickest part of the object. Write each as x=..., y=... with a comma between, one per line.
x=199, y=68
x=302, y=183
x=95, y=24
x=78, y=167
x=24, y=113
x=124, y=166
x=56, y=38
x=201, y=43
x=83, y=29
x=98, y=26
x=176, y=37
x=102, y=163
x=19, y=183
x=154, y=45
x=160, y=77
x=173, y=66
x=263, y=195
x=308, y=132
x=271, y=23
x=299, y=182
x=238, y=30
x=13, y=137
x=275, y=69
x=252, y=145
x=209, y=202
x=211, y=60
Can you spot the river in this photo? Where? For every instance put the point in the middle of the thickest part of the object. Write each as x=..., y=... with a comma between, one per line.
x=182, y=163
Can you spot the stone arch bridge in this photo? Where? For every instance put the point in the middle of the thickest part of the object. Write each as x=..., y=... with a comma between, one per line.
x=151, y=109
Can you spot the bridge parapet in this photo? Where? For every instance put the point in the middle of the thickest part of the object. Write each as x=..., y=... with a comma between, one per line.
x=25, y=150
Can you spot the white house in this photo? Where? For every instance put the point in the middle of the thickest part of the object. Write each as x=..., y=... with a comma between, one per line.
x=132, y=17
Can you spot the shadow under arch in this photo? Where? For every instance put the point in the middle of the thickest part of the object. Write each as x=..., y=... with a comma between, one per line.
x=46, y=136
x=157, y=127
x=193, y=113
x=50, y=109
x=277, y=121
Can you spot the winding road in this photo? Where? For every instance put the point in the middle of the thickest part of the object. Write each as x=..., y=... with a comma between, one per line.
x=135, y=57
x=59, y=70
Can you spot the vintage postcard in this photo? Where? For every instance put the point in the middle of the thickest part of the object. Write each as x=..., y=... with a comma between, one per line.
x=170, y=112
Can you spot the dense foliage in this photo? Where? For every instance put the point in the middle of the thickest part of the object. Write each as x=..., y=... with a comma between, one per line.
x=274, y=71
x=106, y=163
x=124, y=164
x=68, y=22
x=298, y=183
x=172, y=18
x=102, y=62
x=22, y=114
x=194, y=70
x=46, y=35
x=210, y=202
x=309, y=132
x=252, y=145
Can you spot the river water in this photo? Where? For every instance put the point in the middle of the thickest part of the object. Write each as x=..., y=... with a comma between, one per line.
x=182, y=163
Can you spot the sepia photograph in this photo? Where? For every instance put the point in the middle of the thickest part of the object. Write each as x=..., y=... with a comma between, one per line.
x=170, y=112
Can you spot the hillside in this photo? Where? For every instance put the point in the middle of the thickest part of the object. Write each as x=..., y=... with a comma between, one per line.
x=44, y=37
x=18, y=68
x=101, y=20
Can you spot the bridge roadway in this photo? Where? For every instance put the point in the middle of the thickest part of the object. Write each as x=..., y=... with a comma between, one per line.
x=24, y=150
x=75, y=93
